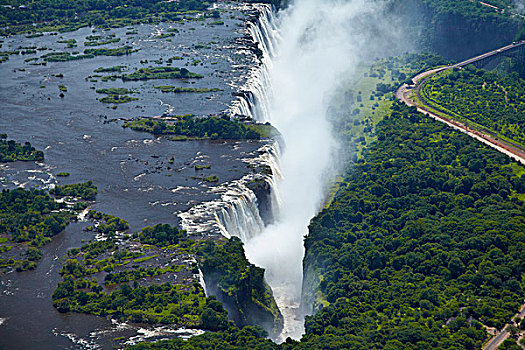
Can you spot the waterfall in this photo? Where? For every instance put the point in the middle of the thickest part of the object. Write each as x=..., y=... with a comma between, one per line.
x=241, y=217
x=305, y=51
x=237, y=211
x=234, y=213
x=202, y=282
x=254, y=101
x=241, y=213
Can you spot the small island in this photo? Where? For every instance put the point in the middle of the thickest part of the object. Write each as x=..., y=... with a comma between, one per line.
x=11, y=151
x=190, y=127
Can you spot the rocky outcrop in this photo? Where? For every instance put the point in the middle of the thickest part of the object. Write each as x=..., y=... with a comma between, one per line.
x=240, y=286
x=263, y=193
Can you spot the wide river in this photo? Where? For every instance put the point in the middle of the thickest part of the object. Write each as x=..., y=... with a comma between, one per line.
x=132, y=170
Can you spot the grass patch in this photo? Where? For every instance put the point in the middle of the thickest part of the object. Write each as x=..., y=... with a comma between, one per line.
x=115, y=91
x=110, y=69
x=117, y=99
x=146, y=258
x=121, y=51
x=103, y=42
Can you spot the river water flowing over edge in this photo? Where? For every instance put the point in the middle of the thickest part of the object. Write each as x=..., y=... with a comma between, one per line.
x=141, y=178
x=289, y=89
x=309, y=50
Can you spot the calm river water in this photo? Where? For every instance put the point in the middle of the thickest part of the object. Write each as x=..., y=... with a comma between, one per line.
x=132, y=171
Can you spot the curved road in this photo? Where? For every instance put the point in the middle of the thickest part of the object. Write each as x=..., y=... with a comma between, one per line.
x=405, y=92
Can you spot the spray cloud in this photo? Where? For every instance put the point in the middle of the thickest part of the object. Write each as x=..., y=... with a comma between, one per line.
x=311, y=45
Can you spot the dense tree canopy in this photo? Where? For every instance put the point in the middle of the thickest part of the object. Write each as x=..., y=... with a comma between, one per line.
x=481, y=98
x=240, y=285
x=30, y=217
x=84, y=190
x=11, y=151
x=161, y=234
x=423, y=245
x=26, y=215
x=206, y=127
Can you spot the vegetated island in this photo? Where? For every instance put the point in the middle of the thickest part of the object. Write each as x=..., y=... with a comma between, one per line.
x=161, y=73
x=116, y=95
x=191, y=127
x=11, y=151
x=152, y=276
x=28, y=220
x=110, y=69
x=98, y=40
x=86, y=190
x=64, y=56
x=177, y=90
x=149, y=74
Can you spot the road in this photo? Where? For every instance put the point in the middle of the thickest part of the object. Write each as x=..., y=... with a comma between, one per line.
x=489, y=54
x=405, y=92
x=497, y=9
x=499, y=338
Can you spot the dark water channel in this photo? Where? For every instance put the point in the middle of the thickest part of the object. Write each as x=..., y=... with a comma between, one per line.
x=133, y=172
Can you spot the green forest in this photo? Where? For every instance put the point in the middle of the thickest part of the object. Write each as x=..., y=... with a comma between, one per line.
x=87, y=190
x=481, y=98
x=193, y=127
x=424, y=243
x=11, y=151
x=83, y=288
x=28, y=220
x=240, y=285
x=422, y=247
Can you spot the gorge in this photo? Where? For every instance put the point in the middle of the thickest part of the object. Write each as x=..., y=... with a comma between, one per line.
x=308, y=50
x=275, y=195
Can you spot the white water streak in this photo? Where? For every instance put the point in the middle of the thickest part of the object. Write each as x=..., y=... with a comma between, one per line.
x=307, y=49
x=236, y=212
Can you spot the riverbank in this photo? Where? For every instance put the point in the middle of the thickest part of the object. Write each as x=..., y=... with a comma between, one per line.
x=144, y=179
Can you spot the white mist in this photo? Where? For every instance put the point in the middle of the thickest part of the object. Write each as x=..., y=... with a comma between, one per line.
x=310, y=48
x=520, y=6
